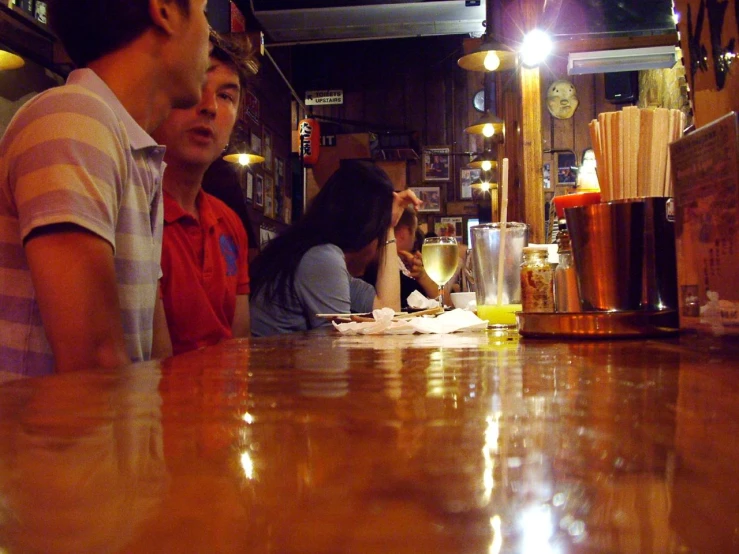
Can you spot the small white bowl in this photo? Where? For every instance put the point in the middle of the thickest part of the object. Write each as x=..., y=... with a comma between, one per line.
x=464, y=300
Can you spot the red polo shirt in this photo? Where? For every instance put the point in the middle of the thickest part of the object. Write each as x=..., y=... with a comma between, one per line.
x=204, y=267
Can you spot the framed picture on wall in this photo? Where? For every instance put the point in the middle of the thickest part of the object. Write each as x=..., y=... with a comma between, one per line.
x=249, y=192
x=287, y=211
x=250, y=105
x=566, y=169
x=265, y=235
x=269, y=197
x=437, y=163
x=267, y=145
x=256, y=143
x=272, y=193
x=430, y=198
x=466, y=178
x=280, y=176
x=449, y=227
x=258, y=191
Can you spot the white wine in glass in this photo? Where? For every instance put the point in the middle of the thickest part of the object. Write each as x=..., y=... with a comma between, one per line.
x=440, y=260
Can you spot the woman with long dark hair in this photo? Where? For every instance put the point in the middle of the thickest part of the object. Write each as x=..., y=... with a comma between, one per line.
x=313, y=267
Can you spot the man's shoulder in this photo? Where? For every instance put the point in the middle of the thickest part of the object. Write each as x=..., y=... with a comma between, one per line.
x=71, y=106
x=69, y=98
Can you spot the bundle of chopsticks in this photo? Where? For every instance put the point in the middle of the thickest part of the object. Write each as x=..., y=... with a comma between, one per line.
x=631, y=151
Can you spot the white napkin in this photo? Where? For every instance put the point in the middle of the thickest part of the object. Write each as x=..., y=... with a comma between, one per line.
x=448, y=322
x=418, y=301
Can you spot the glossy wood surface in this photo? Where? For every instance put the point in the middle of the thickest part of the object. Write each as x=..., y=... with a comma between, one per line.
x=318, y=443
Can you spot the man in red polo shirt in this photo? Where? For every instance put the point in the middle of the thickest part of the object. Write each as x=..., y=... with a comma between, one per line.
x=205, y=279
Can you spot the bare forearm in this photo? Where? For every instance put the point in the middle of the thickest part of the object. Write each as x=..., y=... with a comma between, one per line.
x=75, y=283
x=241, y=326
x=388, y=277
x=162, y=343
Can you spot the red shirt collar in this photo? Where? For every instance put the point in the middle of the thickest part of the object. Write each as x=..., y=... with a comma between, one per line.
x=173, y=211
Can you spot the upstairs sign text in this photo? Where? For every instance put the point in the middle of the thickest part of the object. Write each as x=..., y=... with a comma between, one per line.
x=323, y=97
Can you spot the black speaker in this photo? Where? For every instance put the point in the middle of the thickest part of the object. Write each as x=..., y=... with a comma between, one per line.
x=622, y=87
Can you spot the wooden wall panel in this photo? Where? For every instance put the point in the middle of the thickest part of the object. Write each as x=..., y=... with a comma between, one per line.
x=436, y=115
x=585, y=112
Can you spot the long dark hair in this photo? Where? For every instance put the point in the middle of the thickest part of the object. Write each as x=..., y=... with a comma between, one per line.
x=352, y=209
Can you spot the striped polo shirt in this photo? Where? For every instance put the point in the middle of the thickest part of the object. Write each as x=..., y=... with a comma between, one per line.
x=73, y=154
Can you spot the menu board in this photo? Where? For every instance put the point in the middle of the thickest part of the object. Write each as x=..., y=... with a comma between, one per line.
x=705, y=166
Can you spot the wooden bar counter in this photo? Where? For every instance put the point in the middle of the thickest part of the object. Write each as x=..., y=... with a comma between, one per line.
x=321, y=443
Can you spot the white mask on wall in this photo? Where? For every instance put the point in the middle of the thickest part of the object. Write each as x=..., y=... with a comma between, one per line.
x=562, y=99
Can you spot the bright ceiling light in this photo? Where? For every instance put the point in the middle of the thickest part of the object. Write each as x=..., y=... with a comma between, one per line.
x=492, y=61
x=536, y=48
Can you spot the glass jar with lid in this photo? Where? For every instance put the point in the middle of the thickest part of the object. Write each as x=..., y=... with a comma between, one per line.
x=566, y=297
x=537, y=280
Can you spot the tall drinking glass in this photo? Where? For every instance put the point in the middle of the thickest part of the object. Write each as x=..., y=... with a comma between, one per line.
x=440, y=260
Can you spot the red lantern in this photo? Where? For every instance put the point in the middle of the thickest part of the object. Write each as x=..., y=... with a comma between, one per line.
x=310, y=140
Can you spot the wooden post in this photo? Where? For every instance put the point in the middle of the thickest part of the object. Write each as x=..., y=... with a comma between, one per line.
x=532, y=176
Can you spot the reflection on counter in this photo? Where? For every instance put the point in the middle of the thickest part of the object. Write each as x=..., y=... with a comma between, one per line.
x=478, y=443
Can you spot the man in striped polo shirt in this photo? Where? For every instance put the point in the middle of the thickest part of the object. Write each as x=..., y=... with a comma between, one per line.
x=80, y=188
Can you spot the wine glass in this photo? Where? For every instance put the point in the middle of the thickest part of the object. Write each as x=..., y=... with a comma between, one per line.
x=440, y=260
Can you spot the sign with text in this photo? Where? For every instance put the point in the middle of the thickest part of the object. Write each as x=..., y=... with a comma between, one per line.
x=323, y=97
x=328, y=140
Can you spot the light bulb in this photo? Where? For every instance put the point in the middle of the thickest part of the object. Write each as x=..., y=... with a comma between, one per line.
x=485, y=186
x=243, y=159
x=487, y=165
x=535, y=48
x=488, y=130
x=491, y=61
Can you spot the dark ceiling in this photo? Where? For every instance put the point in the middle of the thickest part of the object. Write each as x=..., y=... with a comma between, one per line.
x=289, y=21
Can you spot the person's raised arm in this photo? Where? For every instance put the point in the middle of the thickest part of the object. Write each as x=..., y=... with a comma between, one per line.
x=388, y=274
x=74, y=278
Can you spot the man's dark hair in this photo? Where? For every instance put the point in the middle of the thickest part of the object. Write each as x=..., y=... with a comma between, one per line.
x=90, y=29
x=408, y=218
x=233, y=55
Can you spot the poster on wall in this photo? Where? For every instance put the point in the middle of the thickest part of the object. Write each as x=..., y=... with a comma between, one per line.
x=265, y=235
x=270, y=194
x=430, y=198
x=250, y=105
x=280, y=177
x=267, y=143
x=249, y=193
x=259, y=192
x=449, y=227
x=466, y=178
x=566, y=168
x=256, y=143
x=436, y=163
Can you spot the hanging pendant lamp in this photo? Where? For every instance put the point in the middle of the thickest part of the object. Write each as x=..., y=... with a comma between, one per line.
x=491, y=55
x=239, y=150
x=8, y=60
x=489, y=125
x=484, y=161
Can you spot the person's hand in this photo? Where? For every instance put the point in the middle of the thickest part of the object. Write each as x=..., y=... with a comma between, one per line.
x=413, y=262
x=401, y=200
